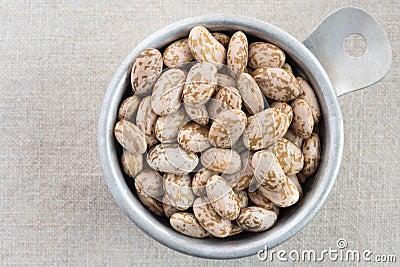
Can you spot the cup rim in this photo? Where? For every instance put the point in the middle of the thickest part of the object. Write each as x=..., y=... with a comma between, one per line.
x=213, y=248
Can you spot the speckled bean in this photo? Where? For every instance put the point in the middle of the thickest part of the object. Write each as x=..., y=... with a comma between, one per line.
x=187, y=224
x=145, y=71
x=221, y=160
x=209, y=219
x=256, y=219
x=130, y=137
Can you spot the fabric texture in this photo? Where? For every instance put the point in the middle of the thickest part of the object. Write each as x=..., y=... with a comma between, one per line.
x=56, y=60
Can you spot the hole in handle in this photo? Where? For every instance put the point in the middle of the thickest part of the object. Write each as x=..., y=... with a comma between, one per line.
x=355, y=45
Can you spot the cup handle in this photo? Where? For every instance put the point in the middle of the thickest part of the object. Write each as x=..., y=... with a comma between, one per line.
x=348, y=73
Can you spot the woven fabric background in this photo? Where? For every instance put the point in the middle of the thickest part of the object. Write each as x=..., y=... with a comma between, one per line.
x=56, y=60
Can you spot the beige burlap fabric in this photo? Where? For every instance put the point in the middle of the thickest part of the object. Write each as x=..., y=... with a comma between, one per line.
x=56, y=60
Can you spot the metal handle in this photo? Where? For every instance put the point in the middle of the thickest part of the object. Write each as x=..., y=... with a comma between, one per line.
x=349, y=73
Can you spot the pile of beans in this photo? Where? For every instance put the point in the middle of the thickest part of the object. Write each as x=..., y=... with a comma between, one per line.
x=217, y=133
